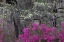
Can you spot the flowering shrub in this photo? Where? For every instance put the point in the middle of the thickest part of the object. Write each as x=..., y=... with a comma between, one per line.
x=42, y=33
x=6, y=31
x=1, y=32
x=37, y=33
x=1, y=36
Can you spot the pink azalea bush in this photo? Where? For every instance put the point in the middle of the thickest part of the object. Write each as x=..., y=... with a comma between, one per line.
x=1, y=36
x=42, y=33
x=1, y=31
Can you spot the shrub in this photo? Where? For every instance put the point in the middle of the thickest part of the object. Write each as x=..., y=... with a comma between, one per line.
x=42, y=33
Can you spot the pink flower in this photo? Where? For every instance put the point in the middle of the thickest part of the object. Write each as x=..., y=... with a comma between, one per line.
x=42, y=26
x=2, y=36
x=53, y=29
x=26, y=40
x=1, y=40
x=34, y=38
x=26, y=30
x=51, y=38
x=45, y=37
x=34, y=25
x=20, y=36
x=26, y=35
x=47, y=29
x=34, y=28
